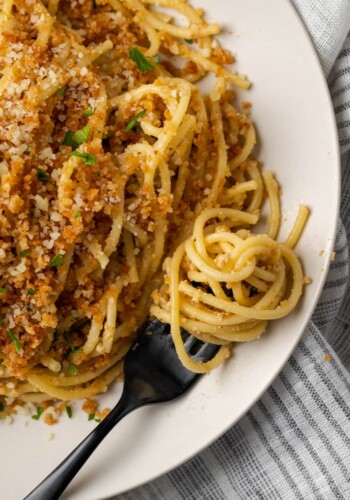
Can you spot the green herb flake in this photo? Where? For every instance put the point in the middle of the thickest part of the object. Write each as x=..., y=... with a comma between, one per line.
x=141, y=61
x=87, y=158
x=1, y=361
x=14, y=339
x=98, y=420
x=91, y=416
x=72, y=370
x=155, y=59
x=28, y=148
x=68, y=139
x=1, y=322
x=4, y=290
x=31, y=291
x=135, y=180
x=75, y=139
x=133, y=122
x=23, y=254
x=61, y=91
x=57, y=260
x=42, y=176
x=81, y=136
x=69, y=411
x=2, y=407
x=77, y=215
x=88, y=112
x=189, y=40
x=39, y=412
x=68, y=339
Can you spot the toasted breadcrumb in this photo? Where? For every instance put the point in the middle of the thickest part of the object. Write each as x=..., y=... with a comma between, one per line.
x=103, y=414
x=89, y=406
x=49, y=419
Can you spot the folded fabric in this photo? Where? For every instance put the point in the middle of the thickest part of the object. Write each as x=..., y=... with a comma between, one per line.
x=295, y=442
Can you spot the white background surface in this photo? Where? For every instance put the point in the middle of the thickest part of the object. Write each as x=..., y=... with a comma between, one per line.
x=294, y=118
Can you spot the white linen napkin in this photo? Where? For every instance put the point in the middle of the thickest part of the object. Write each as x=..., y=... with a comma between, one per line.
x=295, y=442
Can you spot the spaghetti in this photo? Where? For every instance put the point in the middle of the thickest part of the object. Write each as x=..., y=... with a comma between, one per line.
x=119, y=181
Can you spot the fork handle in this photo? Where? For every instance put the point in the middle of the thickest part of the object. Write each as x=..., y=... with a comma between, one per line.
x=55, y=483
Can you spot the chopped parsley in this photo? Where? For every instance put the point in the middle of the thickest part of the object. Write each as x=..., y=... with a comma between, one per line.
x=92, y=416
x=31, y=291
x=81, y=136
x=1, y=319
x=77, y=215
x=4, y=290
x=68, y=339
x=88, y=112
x=69, y=411
x=28, y=148
x=57, y=260
x=72, y=370
x=75, y=139
x=39, y=412
x=141, y=61
x=68, y=139
x=23, y=254
x=133, y=122
x=134, y=180
x=88, y=158
x=42, y=176
x=14, y=339
x=61, y=91
x=188, y=40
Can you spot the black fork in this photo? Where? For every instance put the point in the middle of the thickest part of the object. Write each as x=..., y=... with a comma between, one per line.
x=153, y=373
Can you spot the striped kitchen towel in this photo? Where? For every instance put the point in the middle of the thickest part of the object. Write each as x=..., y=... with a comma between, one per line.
x=295, y=442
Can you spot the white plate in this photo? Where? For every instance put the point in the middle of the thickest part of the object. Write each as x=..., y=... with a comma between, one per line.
x=298, y=141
